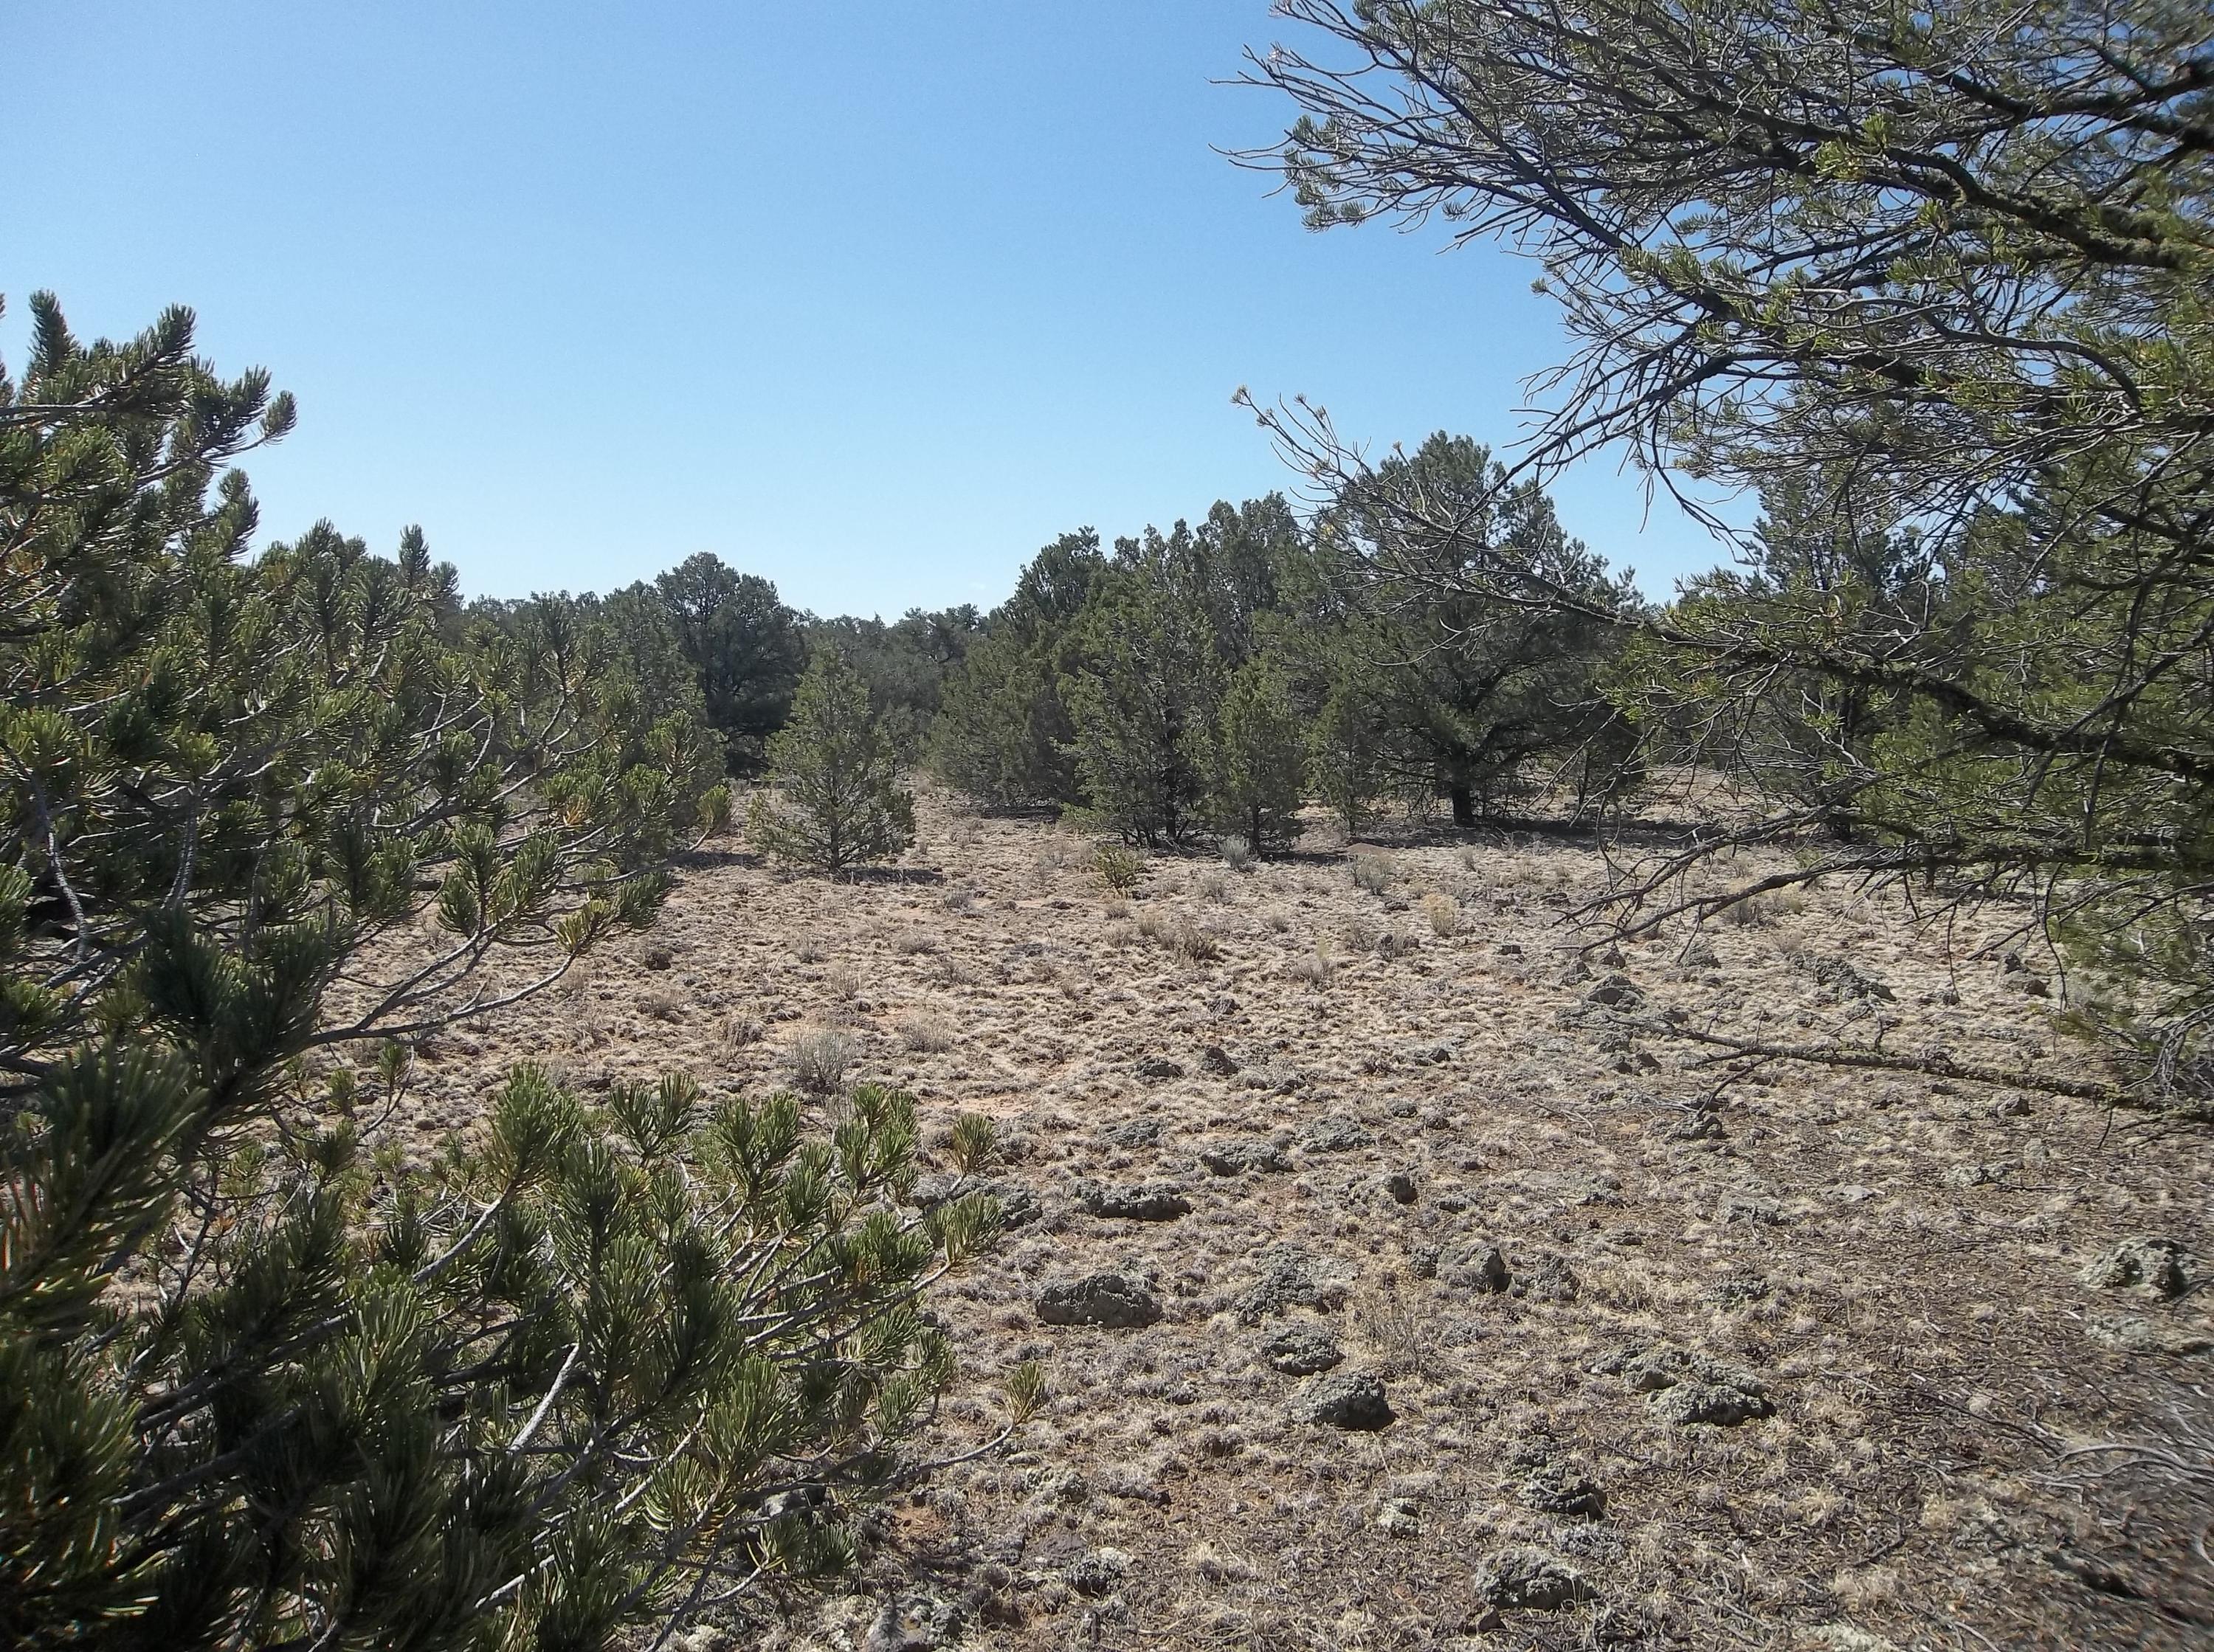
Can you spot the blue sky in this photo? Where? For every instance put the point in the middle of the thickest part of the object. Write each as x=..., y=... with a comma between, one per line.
x=872, y=299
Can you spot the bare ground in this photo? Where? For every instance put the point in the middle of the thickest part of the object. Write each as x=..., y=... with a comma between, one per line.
x=1888, y=1266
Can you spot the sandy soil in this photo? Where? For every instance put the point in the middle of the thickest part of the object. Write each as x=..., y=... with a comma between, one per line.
x=1887, y=1267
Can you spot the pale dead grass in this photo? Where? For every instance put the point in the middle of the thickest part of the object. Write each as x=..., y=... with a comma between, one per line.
x=1817, y=1242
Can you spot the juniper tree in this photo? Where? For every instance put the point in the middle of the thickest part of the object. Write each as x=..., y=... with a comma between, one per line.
x=1003, y=731
x=261, y=1383
x=1141, y=699
x=1257, y=760
x=1958, y=255
x=838, y=799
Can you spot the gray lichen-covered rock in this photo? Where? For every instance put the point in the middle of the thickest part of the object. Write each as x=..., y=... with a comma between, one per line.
x=1158, y=1201
x=2147, y=1264
x=1335, y=1134
x=1290, y=1277
x=1238, y=1158
x=1096, y=1573
x=1302, y=1350
x=1107, y=1300
x=1159, y=1067
x=1529, y=1580
x=1558, y=1489
x=1684, y=1388
x=1354, y=1401
x=1477, y=1266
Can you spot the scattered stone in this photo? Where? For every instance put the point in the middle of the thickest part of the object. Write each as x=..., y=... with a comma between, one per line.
x=1107, y=1300
x=1557, y=1489
x=1336, y=1135
x=1980, y=1175
x=1616, y=992
x=1422, y=1261
x=1431, y=1052
x=1159, y=1067
x=1399, y=1517
x=1132, y=1132
x=1842, y=977
x=1238, y=1158
x=1400, y=1185
x=1478, y=1267
x=2014, y=1107
x=2150, y=1265
x=1354, y=1402
x=1758, y=1212
x=1216, y=1060
x=1096, y=1573
x=1529, y=1580
x=1289, y=1280
x=1222, y=1005
x=1158, y=1201
x=1700, y=954
x=2030, y=987
x=1019, y=1206
x=660, y=958
x=1685, y=1387
x=1508, y=949
x=1302, y=1350
x=915, y=1622
x=1547, y=1279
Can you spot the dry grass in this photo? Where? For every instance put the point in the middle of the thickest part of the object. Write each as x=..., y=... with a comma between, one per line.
x=1916, y=1325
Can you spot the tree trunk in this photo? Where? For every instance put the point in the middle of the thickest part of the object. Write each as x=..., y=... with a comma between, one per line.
x=1463, y=803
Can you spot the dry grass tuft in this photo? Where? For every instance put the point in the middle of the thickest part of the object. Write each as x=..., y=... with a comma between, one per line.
x=925, y=1030
x=821, y=1059
x=1443, y=913
x=1374, y=870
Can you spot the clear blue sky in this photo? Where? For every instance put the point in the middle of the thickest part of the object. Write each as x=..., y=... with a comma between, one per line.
x=871, y=298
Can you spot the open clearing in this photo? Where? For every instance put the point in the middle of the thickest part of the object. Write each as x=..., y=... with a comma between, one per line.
x=1869, y=1283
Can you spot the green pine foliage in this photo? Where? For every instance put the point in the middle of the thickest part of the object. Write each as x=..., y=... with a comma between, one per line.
x=1142, y=700
x=1256, y=777
x=838, y=801
x=262, y=1383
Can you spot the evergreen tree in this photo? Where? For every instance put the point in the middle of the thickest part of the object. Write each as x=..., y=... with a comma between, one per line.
x=745, y=646
x=1003, y=733
x=1141, y=701
x=1256, y=780
x=262, y=1384
x=839, y=800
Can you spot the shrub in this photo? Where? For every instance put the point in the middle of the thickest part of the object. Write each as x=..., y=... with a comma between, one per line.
x=1238, y=852
x=1120, y=866
x=822, y=1058
x=839, y=802
x=1373, y=871
x=1444, y=914
x=261, y=1383
x=925, y=1031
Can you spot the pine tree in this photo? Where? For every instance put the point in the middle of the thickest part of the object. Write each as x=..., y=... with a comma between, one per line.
x=1142, y=700
x=263, y=1384
x=1256, y=782
x=839, y=800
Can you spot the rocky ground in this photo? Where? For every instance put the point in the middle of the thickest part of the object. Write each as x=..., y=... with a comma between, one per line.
x=1390, y=1294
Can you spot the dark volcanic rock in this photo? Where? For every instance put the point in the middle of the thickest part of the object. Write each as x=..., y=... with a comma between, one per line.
x=1302, y=1350
x=1108, y=1300
x=1158, y=1201
x=1355, y=1401
x=1237, y=1158
x=1529, y=1580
